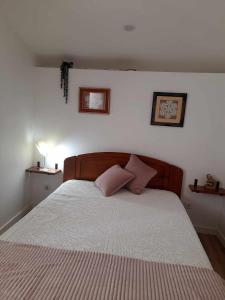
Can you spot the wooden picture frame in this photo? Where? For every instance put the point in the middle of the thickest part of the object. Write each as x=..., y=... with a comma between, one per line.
x=168, y=109
x=94, y=100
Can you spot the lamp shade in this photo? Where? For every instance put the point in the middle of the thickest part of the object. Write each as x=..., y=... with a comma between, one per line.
x=43, y=148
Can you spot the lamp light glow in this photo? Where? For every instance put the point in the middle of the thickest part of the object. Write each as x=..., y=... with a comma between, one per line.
x=43, y=149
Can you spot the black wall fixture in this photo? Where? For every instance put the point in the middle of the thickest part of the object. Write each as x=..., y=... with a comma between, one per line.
x=64, y=68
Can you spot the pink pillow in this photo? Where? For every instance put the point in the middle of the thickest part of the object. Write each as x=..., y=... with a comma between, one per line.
x=113, y=179
x=143, y=174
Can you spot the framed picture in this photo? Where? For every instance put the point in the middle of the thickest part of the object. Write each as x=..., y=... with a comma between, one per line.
x=94, y=100
x=168, y=109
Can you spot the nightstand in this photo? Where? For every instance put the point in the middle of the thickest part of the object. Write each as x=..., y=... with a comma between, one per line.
x=42, y=182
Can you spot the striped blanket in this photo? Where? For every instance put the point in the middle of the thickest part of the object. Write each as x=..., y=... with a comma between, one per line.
x=36, y=272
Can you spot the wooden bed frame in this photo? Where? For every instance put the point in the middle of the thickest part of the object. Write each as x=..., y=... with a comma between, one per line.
x=90, y=166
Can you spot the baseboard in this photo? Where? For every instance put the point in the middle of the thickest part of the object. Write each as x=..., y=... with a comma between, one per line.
x=15, y=219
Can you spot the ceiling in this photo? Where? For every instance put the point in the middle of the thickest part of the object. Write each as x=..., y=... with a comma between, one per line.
x=173, y=35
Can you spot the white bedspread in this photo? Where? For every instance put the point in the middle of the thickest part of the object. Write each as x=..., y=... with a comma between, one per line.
x=153, y=226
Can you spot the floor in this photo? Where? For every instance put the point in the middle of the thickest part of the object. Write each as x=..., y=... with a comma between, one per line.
x=215, y=252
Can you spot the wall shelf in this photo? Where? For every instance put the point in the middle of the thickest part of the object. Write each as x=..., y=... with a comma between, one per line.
x=46, y=171
x=203, y=190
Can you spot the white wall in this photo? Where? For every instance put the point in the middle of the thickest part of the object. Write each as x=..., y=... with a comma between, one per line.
x=198, y=148
x=16, y=117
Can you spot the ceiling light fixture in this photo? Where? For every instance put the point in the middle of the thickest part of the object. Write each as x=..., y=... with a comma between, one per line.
x=129, y=27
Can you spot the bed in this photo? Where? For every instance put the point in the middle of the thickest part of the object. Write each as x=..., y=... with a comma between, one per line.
x=148, y=238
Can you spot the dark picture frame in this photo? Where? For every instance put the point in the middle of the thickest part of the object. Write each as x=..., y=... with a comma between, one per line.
x=168, y=109
x=94, y=100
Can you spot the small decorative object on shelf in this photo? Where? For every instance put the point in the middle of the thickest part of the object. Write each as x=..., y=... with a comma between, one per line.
x=56, y=166
x=46, y=171
x=195, y=183
x=64, y=68
x=211, y=187
x=217, y=186
x=210, y=182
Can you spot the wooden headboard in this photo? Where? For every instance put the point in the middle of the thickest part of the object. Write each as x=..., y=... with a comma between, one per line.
x=90, y=166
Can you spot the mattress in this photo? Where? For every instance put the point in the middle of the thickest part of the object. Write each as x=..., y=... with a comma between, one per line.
x=153, y=226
